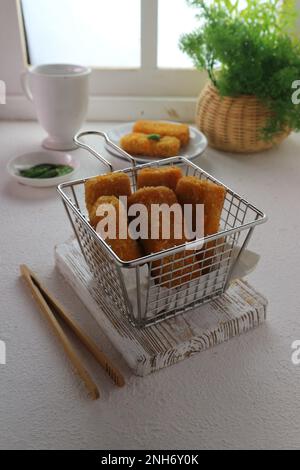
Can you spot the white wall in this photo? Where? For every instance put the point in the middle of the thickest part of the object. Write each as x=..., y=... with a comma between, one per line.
x=11, y=58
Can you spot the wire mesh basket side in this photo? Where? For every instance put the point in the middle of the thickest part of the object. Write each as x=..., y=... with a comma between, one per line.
x=106, y=273
x=184, y=281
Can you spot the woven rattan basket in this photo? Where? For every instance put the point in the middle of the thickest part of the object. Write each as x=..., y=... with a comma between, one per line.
x=234, y=124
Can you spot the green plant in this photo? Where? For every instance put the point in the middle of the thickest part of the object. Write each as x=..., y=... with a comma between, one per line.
x=248, y=48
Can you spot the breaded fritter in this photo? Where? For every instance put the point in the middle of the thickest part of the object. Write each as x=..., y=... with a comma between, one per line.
x=192, y=190
x=142, y=144
x=126, y=249
x=168, y=177
x=180, y=131
x=111, y=184
x=172, y=270
x=153, y=195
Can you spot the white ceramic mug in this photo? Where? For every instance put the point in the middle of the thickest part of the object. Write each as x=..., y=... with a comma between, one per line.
x=60, y=94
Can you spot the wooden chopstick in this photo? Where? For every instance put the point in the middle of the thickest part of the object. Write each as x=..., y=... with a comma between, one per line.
x=45, y=301
x=82, y=372
x=90, y=345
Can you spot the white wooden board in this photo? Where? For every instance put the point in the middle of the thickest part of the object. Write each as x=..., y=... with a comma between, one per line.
x=238, y=311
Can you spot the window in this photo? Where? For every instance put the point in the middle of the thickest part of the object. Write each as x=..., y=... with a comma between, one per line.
x=131, y=44
x=94, y=33
x=170, y=28
x=98, y=33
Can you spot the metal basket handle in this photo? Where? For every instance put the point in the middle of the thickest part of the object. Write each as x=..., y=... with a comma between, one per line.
x=90, y=149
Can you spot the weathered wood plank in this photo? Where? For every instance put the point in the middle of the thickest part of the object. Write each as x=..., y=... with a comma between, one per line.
x=238, y=311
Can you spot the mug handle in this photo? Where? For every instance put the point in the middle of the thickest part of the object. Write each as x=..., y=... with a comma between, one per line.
x=25, y=85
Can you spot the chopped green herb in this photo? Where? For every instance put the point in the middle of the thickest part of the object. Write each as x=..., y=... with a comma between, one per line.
x=155, y=137
x=46, y=170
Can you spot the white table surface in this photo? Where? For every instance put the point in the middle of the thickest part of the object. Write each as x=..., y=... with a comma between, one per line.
x=242, y=394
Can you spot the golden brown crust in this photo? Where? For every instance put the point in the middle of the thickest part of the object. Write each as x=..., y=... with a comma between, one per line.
x=153, y=195
x=192, y=190
x=102, y=200
x=168, y=177
x=126, y=249
x=180, y=131
x=111, y=184
x=140, y=144
x=171, y=271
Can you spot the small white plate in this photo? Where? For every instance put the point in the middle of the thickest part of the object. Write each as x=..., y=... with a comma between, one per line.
x=197, y=145
x=36, y=158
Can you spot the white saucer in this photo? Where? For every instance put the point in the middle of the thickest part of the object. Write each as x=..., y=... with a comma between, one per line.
x=197, y=145
x=35, y=158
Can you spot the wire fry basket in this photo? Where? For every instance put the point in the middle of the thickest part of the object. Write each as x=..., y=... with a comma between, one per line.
x=161, y=285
